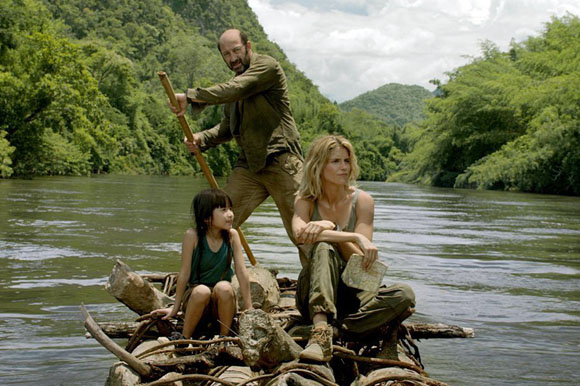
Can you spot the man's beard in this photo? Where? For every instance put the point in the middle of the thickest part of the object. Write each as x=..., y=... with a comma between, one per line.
x=244, y=64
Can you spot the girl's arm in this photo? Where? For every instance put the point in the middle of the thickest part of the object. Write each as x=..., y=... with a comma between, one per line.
x=240, y=267
x=187, y=246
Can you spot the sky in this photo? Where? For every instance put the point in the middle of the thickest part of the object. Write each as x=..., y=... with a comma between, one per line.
x=348, y=47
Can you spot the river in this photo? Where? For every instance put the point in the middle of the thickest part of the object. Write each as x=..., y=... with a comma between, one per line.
x=505, y=264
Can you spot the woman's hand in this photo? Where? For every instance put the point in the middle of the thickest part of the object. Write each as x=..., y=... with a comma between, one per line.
x=312, y=229
x=371, y=253
x=167, y=312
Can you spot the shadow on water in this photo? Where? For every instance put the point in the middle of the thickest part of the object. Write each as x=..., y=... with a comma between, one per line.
x=505, y=264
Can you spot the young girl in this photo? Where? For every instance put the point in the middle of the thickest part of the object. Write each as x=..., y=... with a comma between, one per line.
x=203, y=284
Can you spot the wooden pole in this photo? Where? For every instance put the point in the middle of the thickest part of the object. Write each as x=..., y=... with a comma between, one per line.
x=121, y=330
x=206, y=170
x=139, y=366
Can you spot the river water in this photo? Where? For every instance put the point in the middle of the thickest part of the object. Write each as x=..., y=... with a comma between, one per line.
x=505, y=264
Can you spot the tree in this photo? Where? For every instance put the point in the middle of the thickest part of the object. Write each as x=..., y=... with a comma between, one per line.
x=78, y=78
x=506, y=120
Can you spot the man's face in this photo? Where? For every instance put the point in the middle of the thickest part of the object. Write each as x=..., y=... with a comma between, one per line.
x=236, y=55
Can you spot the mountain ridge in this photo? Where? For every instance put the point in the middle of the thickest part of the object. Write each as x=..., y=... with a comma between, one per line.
x=394, y=103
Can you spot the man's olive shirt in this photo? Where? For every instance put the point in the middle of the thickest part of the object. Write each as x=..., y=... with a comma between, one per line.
x=256, y=113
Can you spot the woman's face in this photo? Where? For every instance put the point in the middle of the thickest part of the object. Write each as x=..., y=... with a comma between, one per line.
x=337, y=168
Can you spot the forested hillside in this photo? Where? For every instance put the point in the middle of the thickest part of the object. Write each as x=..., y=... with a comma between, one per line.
x=507, y=120
x=395, y=104
x=79, y=92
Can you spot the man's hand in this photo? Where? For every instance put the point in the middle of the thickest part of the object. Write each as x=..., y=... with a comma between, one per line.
x=182, y=101
x=192, y=146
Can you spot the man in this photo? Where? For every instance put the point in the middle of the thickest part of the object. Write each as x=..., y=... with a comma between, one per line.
x=257, y=115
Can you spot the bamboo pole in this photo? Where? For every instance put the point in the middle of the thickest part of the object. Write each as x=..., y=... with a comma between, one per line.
x=206, y=170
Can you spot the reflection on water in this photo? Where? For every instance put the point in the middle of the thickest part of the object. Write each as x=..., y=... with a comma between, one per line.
x=505, y=264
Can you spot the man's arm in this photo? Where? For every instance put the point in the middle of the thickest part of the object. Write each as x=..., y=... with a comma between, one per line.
x=261, y=76
x=218, y=134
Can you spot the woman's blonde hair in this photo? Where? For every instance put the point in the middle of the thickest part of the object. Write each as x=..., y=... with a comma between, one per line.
x=316, y=159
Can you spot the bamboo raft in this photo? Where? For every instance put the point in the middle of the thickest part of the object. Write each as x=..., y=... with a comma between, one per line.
x=265, y=347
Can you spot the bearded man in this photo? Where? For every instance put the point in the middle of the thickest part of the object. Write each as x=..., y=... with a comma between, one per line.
x=257, y=115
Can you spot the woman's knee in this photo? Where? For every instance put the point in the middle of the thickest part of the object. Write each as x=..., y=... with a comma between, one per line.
x=407, y=295
x=321, y=246
x=398, y=296
x=322, y=252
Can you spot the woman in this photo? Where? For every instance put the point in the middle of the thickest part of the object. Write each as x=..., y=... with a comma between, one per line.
x=334, y=219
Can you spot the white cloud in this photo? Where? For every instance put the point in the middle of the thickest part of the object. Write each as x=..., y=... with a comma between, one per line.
x=348, y=47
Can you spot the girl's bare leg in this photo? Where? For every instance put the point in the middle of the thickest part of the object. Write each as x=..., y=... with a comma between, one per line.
x=198, y=301
x=223, y=294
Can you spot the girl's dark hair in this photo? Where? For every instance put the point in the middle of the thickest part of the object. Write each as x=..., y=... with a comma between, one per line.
x=202, y=208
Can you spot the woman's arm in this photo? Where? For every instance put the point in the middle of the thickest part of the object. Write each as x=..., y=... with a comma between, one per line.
x=241, y=271
x=364, y=226
x=304, y=230
x=349, y=243
x=365, y=214
x=359, y=241
x=187, y=246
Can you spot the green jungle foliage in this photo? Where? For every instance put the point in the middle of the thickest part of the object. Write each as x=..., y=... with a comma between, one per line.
x=79, y=91
x=507, y=120
x=396, y=104
x=79, y=94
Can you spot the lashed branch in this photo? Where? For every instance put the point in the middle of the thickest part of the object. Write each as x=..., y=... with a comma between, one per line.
x=438, y=330
x=348, y=354
x=417, y=330
x=140, y=367
x=190, y=377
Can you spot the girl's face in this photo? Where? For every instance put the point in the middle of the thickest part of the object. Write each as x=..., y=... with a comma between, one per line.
x=222, y=218
x=337, y=167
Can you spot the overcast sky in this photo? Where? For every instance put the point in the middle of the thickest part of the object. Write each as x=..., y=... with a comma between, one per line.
x=348, y=47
